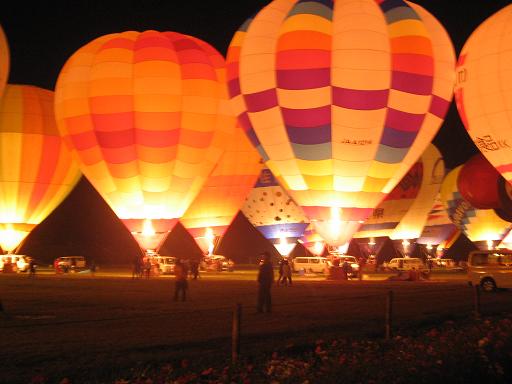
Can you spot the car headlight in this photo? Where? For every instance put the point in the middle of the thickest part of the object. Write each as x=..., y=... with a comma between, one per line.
x=354, y=266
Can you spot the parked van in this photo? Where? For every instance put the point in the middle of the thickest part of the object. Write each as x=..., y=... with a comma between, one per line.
x=490, y=269
x=406, y=264
x=310, y=264
x=166, y=264
x=69, y=264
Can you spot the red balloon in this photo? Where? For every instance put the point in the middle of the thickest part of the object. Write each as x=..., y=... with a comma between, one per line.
x=478, y=183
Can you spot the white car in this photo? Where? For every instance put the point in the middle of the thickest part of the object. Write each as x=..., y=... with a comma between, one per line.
x=490, y=269
x=406, y=264
x=352, y=261
x=217, y=263
x=17, y=263
x=310, y=264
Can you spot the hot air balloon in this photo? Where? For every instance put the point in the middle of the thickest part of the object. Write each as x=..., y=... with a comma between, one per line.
x=439, y=233
x=4, y=60
x=312, y=241
x=147, y=116
x=340, y=98
x=412, y=223
x=224, y=193
x=483, y=90
x=482, y=226
x=271, y=210
x=36, y=169
x=402, y=215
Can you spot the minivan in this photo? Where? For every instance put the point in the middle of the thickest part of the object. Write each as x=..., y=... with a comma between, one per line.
x=310, y=264
x=490, y=269
x=406, y=264
x=69, y=264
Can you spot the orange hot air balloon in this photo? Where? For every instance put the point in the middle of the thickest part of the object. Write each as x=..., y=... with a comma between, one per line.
x=220, y=199
x=483, y=91
x=147, y=116
x=36, y=169
x=4, y=60
x=340, y=98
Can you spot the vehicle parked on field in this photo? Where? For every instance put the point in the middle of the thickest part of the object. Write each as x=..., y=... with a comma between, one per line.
x=14, y=263
x=351, y=264
x=165, y=264
x=67, y=264
x=310, y=264
x=490, y=269
x=217, y=263
x=405, y=264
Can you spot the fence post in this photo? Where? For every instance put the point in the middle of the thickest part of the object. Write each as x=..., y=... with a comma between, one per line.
x=235, y=333
x=389, y=314
x=476, y=300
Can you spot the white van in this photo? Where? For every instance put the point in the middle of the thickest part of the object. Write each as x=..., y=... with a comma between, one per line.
x=310, y=264
x=406, y=264
x=490, y=269
x=165, y=264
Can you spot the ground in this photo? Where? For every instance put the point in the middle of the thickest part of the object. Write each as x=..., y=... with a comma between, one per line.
x=95, y=328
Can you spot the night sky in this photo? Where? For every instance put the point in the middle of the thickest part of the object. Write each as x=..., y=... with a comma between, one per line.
x=43, y=34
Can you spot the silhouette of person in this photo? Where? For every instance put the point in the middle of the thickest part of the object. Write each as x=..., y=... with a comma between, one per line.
x=265, y=281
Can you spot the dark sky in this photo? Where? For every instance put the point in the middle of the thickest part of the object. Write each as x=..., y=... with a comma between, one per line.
x=43, y=34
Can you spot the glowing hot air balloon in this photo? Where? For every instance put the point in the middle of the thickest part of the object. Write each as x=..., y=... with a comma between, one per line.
x=312, y=241
x=36, y=169
x=271, y=210
x=414, y=220
x=483, y=90
x=4, y=60
x=482, y=226
x=402, y=215
x=439, y=233
x=147, y=116
x=224, y=193
x=340, y=98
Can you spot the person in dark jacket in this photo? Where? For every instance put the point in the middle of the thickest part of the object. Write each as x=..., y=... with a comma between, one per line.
x=265, y=281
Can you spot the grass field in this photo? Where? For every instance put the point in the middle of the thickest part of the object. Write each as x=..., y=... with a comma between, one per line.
x=94, y=329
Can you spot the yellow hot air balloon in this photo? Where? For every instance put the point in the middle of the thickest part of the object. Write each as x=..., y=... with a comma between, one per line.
x=483, y=90
x=4, y=60
x=224, y=193
x=147, y=116
x=36, y=169
x=412, y=223
x=340, y=98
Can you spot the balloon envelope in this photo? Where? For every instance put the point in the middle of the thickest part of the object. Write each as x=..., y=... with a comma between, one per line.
x=147, y=116
x=482, y=226
x=224, y=192
x=36, y=169
x=274, y=214
x=483, y=91
x=340, y=98
x=4, y=60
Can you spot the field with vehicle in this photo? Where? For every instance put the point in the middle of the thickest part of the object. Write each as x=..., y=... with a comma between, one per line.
x=96, y=328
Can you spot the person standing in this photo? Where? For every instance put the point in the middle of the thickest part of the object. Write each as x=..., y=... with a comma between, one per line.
x=194, y=269
x=181, y=284
x=265, y=281
x=287, y=273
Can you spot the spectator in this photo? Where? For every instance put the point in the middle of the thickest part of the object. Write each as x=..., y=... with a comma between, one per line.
x=265, y=281
x=181, y=284
x=286, y=278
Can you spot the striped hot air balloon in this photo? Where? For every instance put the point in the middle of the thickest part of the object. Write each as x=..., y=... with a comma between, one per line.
x=224, y=193
x=274, y=214
x=4, y=60
x=439, y=233
x=482, y=226
x=483, y=91
x=312, y=241
x=340, y=98
x=147, y=115
x=36, y=169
